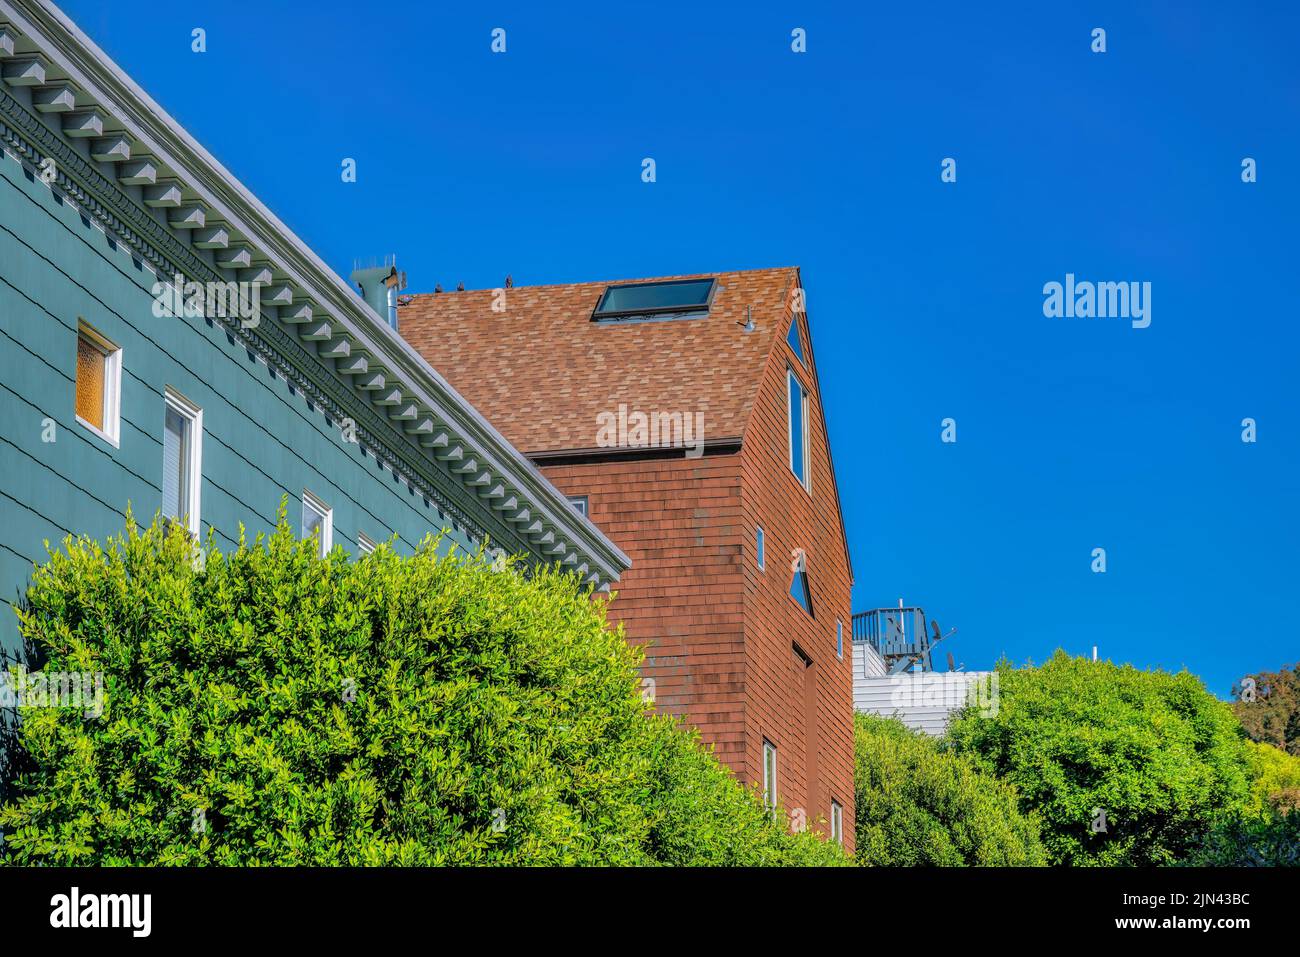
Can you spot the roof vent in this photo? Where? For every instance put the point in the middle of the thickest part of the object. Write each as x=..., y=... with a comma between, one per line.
x=379, y=285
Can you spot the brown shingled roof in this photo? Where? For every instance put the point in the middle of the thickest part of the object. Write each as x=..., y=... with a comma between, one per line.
x=542, y=371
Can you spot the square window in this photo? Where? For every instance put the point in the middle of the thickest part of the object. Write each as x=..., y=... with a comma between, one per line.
x=317, y=520
x=182, y=476
x=769, y=776
x=837, y=822
x=579, y=503
x=760, y=544
x=99, y=383
x=365, y=544
x=798, y=429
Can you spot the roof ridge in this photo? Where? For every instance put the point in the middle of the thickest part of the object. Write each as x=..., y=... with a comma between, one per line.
x=608, y=282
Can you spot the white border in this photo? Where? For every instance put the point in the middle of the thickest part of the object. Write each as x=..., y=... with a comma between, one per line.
x=112, y=384
x=191, y=504
x=318, y=505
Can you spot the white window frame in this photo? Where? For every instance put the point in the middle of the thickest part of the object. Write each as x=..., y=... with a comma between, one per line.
x=365, y=544
x=112, y=430
x=318, y=505
x=760, y=545
x=191, y=506
x=837, y=822
x=791, y=382
x=580, y=504
x=770, y=755
x=839, y=638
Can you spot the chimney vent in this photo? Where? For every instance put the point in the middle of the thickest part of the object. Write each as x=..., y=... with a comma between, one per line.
x=379, y=284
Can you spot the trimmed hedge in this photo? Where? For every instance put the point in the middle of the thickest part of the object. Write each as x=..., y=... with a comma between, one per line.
x=917, y=804
x=272, y=707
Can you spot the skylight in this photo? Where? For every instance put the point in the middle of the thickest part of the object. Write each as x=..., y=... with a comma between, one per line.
x=655, y=299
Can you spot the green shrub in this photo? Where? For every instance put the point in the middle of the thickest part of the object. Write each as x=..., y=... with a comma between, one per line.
x=1274, y=780
x=1243, y=841
x=272, y=707
x=1155, y=752
x=918, y=804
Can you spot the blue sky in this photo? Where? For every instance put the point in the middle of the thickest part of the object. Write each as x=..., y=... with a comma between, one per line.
x=925, y=298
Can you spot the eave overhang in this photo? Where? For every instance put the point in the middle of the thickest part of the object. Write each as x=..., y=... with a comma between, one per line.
x=229, y=234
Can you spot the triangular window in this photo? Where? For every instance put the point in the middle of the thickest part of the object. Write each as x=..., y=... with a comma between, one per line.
x=794, y=341
x=800, y=590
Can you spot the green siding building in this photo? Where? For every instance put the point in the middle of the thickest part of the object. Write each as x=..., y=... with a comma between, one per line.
x=122, y=382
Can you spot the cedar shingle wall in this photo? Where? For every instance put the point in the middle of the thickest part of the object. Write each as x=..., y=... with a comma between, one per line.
x=678, y=520
x=792, y=518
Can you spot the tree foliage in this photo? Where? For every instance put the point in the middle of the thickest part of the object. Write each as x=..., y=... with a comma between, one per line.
x=917, y=804
x=1244, y=841
x=272, y=707
x=1274, y=780
x=1272, y=713
x=1123, y=766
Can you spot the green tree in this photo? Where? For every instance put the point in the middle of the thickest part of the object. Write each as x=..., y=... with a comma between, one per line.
x=1274, y=780
x=1123, y=766
x=1271, y=712
x=917, y=804
x=269, y=706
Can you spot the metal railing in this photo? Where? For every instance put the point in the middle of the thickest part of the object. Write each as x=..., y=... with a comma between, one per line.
x=895, y=633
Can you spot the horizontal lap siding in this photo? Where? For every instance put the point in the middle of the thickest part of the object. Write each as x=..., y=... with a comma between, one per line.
x=925, y=701
x=261, y=440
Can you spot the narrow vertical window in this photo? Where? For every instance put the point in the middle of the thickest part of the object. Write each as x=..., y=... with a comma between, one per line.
x=760, y=545
x=318, y=521
x=769, y=776
x=839, y=639
x=837, y=822
x=182, y=468
x=798, y=428
x=365, y=544
x=99, y=383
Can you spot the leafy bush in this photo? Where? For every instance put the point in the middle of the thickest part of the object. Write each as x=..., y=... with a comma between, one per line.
x=917, y=804
x=272, y=707
x=1274, y=780
x=1154, y=752
x=1243, y=841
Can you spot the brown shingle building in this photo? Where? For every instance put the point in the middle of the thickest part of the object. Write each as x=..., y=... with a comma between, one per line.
x=684, y=414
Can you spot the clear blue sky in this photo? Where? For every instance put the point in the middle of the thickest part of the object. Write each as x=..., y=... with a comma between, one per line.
x=925, y=298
